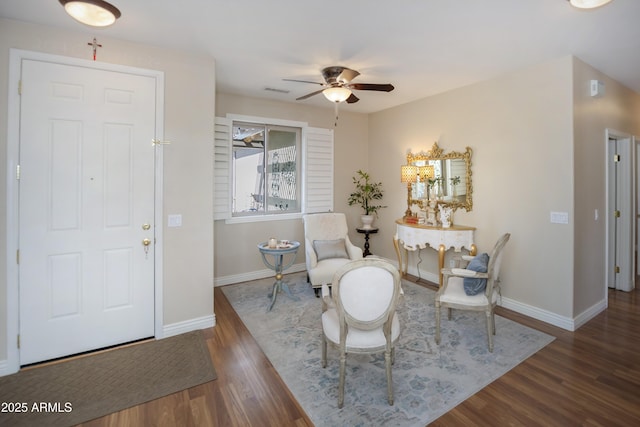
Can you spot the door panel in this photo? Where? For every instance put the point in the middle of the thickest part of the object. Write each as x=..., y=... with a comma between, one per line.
x=86, y=189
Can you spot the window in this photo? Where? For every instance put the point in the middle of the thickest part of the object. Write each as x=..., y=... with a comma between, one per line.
x=268, y=169
x=265, y=169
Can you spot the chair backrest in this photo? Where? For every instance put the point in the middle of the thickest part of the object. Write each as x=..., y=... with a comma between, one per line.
x=495, y=261
x=366, y=293
x=325, y=226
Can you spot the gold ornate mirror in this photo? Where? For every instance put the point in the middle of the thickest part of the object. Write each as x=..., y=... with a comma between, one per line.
x=445, y=177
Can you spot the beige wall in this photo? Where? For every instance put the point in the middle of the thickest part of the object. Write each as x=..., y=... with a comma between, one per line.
x=536, y=137
x=538, y=140
x=520, y=129
x=618, y=110
x=188, y=164
x=235, y=244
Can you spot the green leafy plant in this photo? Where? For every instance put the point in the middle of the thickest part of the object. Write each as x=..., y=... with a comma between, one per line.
x=455, y=180
x=365, y=193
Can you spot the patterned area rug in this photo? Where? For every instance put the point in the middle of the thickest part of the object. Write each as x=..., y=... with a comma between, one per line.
x=428, y=379
x=82, y=389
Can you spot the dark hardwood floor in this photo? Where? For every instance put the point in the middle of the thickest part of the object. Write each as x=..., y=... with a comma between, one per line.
x=590, y=377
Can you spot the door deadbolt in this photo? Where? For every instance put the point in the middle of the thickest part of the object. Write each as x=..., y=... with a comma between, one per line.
x=146, y=226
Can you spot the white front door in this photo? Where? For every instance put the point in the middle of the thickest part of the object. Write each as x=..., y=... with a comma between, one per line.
x=86, y=186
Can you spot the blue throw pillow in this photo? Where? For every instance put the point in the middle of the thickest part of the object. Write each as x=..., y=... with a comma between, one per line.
x=475, y=286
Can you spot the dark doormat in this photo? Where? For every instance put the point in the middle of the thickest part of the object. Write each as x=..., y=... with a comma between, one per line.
x=79, y=390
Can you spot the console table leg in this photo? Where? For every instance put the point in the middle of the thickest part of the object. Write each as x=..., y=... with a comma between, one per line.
x=399, y=255
x=441, y=251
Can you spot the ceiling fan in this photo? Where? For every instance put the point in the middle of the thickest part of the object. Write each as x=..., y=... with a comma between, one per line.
x=338, y=87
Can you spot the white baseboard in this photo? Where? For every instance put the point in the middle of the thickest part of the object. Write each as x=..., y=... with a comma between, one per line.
x=537, y=313
x=424, y=275
x=589, y=313
x=261, y=274
x=546, y=316
x=5, y=369
x=529, y=310
x=570, y=324
x=188, y=326
x=254, y=275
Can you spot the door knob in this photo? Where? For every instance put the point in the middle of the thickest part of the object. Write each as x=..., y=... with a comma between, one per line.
x=146, y=242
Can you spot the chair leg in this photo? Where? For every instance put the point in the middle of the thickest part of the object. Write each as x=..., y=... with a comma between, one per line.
x=489, y=330
x=449, y=313
x=493, y=321
x=437, y=322
x=324, y=351
x=343, y=368
x=387, y=360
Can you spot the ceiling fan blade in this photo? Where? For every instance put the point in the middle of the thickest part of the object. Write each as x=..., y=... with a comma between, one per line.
x=303, y=81
x=309, y=95
x=352, y=98
x=371, y=86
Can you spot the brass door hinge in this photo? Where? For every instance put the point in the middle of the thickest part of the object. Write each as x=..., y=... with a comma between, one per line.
x=616, y=213
x=18, y=340
x=617, y=269
x=19, y=87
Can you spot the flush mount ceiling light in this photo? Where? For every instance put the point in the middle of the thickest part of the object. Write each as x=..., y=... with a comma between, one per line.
x=588, y=4
x=96, y=13
x=336, y=93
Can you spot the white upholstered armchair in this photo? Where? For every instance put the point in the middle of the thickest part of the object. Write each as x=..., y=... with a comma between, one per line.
x=327, y=247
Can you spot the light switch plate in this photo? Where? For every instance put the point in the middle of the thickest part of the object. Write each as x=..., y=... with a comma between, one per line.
x=560, y=217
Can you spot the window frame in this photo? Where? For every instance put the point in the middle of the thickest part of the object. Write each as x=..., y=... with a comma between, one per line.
x=316, y=186
x=267, y=174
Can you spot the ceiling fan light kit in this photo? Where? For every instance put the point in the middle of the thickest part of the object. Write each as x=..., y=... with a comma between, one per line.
x=95, y=13
x=588, y=4
x=336, y=94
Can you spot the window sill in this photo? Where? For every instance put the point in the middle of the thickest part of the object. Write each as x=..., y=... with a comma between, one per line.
x=262, y=218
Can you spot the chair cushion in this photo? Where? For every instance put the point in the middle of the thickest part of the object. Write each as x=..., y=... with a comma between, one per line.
x=324, y=271
x=357, y=338
x=475, y=286
x=455, y=294
x=326, y=249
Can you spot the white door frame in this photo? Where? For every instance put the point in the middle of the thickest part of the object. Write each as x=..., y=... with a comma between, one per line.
x=636, y=205
x=16, y=56
x=627, y=221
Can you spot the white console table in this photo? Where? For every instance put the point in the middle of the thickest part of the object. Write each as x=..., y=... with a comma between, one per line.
x=417, y=236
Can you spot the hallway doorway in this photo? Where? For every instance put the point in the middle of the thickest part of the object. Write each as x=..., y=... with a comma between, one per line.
x=620, y=211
